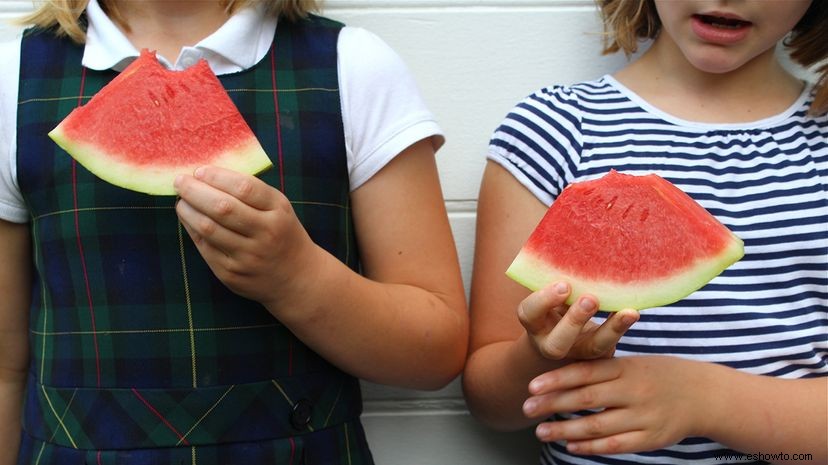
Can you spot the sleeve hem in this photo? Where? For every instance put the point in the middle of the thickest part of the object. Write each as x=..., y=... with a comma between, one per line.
x=388, y=150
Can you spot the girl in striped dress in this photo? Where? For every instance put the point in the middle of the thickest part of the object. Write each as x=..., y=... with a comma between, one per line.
x=734, y=373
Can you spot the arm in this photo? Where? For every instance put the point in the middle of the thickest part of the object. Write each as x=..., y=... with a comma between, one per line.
x=14, y=312
x=404, y=322
x=653, y=402
x=516, y=336
x=763, y=414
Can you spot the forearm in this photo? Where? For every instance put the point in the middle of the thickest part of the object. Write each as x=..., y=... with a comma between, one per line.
x=767, y=415
x=389, y=333
x=15, y=272
x=495, y=382
x=11, y=403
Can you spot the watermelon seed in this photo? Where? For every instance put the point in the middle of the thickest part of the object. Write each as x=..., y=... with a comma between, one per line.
x=644, y=215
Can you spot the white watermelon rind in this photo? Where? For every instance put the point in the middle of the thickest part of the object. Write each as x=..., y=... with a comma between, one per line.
x=249, y=158
x=535, y=273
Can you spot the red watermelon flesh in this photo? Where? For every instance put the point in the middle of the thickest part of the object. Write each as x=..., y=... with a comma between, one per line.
x=631, y=241
x=150, y=124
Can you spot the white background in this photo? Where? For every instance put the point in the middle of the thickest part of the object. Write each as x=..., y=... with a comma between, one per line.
x=473, y=60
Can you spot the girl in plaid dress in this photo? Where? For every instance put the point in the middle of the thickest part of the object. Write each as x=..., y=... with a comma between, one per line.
x=229, y=325
x=737, y=372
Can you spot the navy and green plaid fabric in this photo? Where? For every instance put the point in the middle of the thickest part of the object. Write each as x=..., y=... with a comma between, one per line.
x=139, y=354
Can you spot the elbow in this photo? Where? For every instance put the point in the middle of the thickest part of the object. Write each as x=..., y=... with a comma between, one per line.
x=491, y=419
x=445, y=361
x=490, y=412
x=451, y=362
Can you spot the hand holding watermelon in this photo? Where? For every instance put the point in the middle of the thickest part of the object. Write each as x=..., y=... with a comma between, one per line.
x=245, y=229
x=559, y=331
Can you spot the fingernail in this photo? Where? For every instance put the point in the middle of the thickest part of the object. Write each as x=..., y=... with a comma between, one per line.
x=586, y=304
x=628, y=320
x=536, y=385
x=530, y=406
x=561, y=288
x=199, y=172
x=543, y=430
x=177, y=181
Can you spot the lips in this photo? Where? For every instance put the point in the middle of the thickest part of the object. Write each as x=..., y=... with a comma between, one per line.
x=720, y=28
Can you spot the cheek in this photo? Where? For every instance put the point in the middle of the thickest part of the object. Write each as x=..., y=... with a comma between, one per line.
x=781, y=16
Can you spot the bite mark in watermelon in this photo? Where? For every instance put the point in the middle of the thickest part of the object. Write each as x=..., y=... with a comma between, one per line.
x=150, y=124
x=631, y=241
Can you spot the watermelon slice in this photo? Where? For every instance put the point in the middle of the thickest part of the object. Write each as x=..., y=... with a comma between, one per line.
x=150, y=124
x=631, y=241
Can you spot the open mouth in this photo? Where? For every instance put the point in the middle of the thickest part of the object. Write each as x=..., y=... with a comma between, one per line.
x=722, y=22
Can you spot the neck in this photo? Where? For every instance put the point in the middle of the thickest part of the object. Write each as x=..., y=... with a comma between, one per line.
x=758, y=89
x=169, y=25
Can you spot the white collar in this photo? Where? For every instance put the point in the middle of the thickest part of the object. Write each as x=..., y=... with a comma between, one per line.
x=238, y=44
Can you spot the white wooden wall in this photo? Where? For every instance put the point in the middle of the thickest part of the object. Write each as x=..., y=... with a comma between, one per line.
x=473, y=59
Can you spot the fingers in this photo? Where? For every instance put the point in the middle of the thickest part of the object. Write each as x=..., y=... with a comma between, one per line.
x=588, y=387
x=534, y=311
x=575, y=375
x=569, y=329
x=215, y=199
x=605, y=433
x=205, y=230
x=248, y=189
x=620, y=443
x=591, y=426
x=560, y=331
x=610, y=332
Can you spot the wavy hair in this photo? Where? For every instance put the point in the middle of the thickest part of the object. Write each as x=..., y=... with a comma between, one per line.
x=65, y=15
x=629, y=22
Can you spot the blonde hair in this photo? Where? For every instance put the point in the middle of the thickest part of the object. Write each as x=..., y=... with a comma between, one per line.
x=65, y=15
x=629, y=22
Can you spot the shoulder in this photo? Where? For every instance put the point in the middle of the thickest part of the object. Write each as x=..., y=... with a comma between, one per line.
x=367, y=62
x=559, y=109
x=10, y=40
x=540, y=140
x=11, y=205
x=383, y=110
x=575, y=100
x=365, y=55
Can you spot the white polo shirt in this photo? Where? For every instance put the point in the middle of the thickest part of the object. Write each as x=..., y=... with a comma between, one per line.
x=382, y=109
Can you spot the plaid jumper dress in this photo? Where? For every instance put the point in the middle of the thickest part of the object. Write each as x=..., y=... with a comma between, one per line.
x=139, y=355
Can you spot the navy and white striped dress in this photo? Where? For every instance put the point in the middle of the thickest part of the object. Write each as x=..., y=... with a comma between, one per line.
x=767, y=181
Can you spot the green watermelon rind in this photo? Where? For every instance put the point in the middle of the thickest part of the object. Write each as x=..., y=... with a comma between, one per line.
x=535, y=274
x=249, y=158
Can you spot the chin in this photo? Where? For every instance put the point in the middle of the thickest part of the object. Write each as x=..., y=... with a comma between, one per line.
x=715, y=66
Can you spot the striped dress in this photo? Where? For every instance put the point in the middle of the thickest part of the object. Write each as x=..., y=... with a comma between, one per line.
x=767, y=181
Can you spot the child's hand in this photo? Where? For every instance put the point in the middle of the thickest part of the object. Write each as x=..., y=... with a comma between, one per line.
x=647, y=402
x=245, y=229
x=561, y=332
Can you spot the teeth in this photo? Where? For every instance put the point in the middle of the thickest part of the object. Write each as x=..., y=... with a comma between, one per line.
x=724, y=23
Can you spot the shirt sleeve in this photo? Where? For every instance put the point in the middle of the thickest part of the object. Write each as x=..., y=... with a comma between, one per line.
x=539, y=142
x=383, y=111
x=12, y=206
